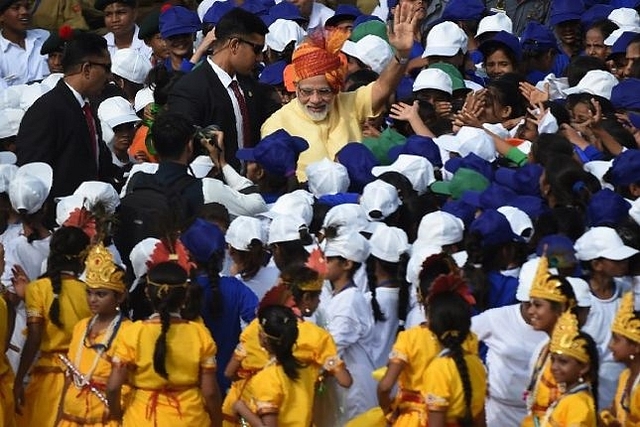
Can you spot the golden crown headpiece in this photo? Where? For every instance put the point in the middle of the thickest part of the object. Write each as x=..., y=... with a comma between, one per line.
x=544, y=286
x=101, y=272
x=626, y=323
x=566, y=339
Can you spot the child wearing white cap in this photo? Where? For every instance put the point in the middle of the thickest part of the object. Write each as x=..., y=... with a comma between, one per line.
x=604, y=258
x=348, y=317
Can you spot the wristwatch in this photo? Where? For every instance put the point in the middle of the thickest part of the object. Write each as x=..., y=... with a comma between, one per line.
x=401, y=61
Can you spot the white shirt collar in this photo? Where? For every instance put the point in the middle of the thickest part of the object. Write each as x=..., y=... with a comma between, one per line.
x=135, y=41
x=6, y=44
x=77, y=95
x=224, y=77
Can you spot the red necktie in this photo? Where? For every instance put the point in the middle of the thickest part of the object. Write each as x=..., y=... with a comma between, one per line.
x=244, y=112
x=91, y=124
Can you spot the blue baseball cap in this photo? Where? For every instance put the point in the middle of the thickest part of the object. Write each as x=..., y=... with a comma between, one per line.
x=502, y=39
x=524, y=180
x=255, y=6
x=284, y=10
x=624, y=95
x=276, y=153
x=595, y=13
x=460, y=209
x=202, y=239
x=359, y=161
x=344, y=12
x=178, y=20
x=419, y=146
x=565, y=10
x=273, y=74
x=493, y=228
x=361, y=19
x=494, y=196
x=392, y=3
x=559, y=251
x=531, y=205
x=616, y=4
x=620, y=45
x=625, y=169
x=470, y=161
x=537, y=38
x=463, y=10
x=607, y=209
x=217, y=11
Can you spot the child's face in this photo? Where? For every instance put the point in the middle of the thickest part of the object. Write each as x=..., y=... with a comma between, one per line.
x=159, y=46
x=119, y=18
x=123, y=136
x=611, y=268
x=568, y=32
x=180, y=45
x=566, y=369
x=54, y=61
x=622, y=348
x=17, y=17
x=335, y=268
x=102, y=301
x=542, y=315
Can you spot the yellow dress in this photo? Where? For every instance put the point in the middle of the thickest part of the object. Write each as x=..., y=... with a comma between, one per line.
x=314, y=348
x=573, y=410
x=545, y=390
x=81, y=407
x=416, y=348
x=444, y=391
x=7, y=416
x=629, y=417
x=46, y=375
x=155, y=401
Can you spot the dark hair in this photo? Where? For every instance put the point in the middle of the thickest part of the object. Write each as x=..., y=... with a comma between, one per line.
x=162, y=81
x=81, y=47
x=549, y=146
x=397, y=271
x=432, y=267
x=280, y=327
x=506, y=90
x=253, y=259
x=295, y=275
x=171, y=132
x=605, y=27
x=360, y=78
x=213, y=266
x=449, y=317
x=509, y=53
x=286, y=53
x=594, y=365
x=165, y=300
x=580, y=66
x=216, y=213
x=567, y=290
x=569, y=221
x=67, y=252
x=239, y=22
x=569, y=184
x=607, y=109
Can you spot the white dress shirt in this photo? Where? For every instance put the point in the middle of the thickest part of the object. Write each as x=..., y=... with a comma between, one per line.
x=21, y=66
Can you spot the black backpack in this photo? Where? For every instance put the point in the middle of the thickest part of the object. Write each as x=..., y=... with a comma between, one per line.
x=149, y=209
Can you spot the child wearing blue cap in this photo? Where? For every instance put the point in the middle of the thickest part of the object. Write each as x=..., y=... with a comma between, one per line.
x=539, y=49
x=564, y=17
x=178, y=26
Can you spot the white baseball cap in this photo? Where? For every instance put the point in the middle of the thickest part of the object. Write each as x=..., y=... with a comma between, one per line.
x=95, y=192
x=389, y=243
x=615, y=35
x=599, y=168
x=115, y=111
x=419, y=253
x=433, y=78
x=345, y=218
x=201, y=166
x=350, y=246
x=380, y=199
x=445, y=39
x=525, y=279
x=298, y=203
x=582, y=291
x=602, y=242
x=285, y=228
x=372, y=50
x=66, y=205
x=143, y=98
x=30, y=187
x=327, y=177
x=440, y=228
x=141, y=255
x=495, y=23
x=469, y=140
x=130, y=65
x=625, y=17
x=10, y=119
x=243, y=230
x=417, y=169
x=634, y=211
x=519, y=221
x=7, y=173
x=595, y=82
x=281, y=33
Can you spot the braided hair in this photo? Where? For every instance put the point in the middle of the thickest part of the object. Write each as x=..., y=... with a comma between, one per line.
x=164, y=300
x=594, y=366
x=280, y=328
x=450, y=320
x=67, y=251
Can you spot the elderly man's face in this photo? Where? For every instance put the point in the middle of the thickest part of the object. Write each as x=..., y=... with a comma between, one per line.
x=315, y=97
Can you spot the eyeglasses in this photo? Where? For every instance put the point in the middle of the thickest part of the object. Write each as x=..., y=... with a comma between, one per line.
x=323, y=92
x=106, y=67
x=257, y=48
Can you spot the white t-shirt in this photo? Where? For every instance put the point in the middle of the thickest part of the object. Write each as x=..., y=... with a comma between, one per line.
x=136, y=44
x=385, y=332
x=264, y=280
x=21, y=66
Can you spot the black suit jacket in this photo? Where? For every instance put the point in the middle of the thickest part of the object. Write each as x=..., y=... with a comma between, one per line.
x=54, y=130
x=201, y=96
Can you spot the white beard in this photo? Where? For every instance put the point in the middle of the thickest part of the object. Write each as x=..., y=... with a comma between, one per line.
x=316, y=117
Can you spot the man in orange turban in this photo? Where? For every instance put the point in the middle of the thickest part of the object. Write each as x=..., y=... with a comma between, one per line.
x=327, y=118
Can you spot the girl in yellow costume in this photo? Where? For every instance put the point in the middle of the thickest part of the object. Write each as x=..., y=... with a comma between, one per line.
x=92, y=345
x=411, y=354
x=276, y=394
x=550, y=296
x=7, y=416
x=54, y=304
x=299, y=289
x=625, y=346
x=574, y=364
x=170, y=362
x=455, y=381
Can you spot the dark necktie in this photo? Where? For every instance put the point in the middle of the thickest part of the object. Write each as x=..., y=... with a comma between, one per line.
x=91, y=124
x=244, y=112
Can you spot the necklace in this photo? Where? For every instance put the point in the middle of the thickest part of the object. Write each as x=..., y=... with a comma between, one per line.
x=552, y=407
x=100, y=348
x=531, y=393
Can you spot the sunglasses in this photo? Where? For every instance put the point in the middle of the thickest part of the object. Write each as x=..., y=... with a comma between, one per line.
x=257, y=48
